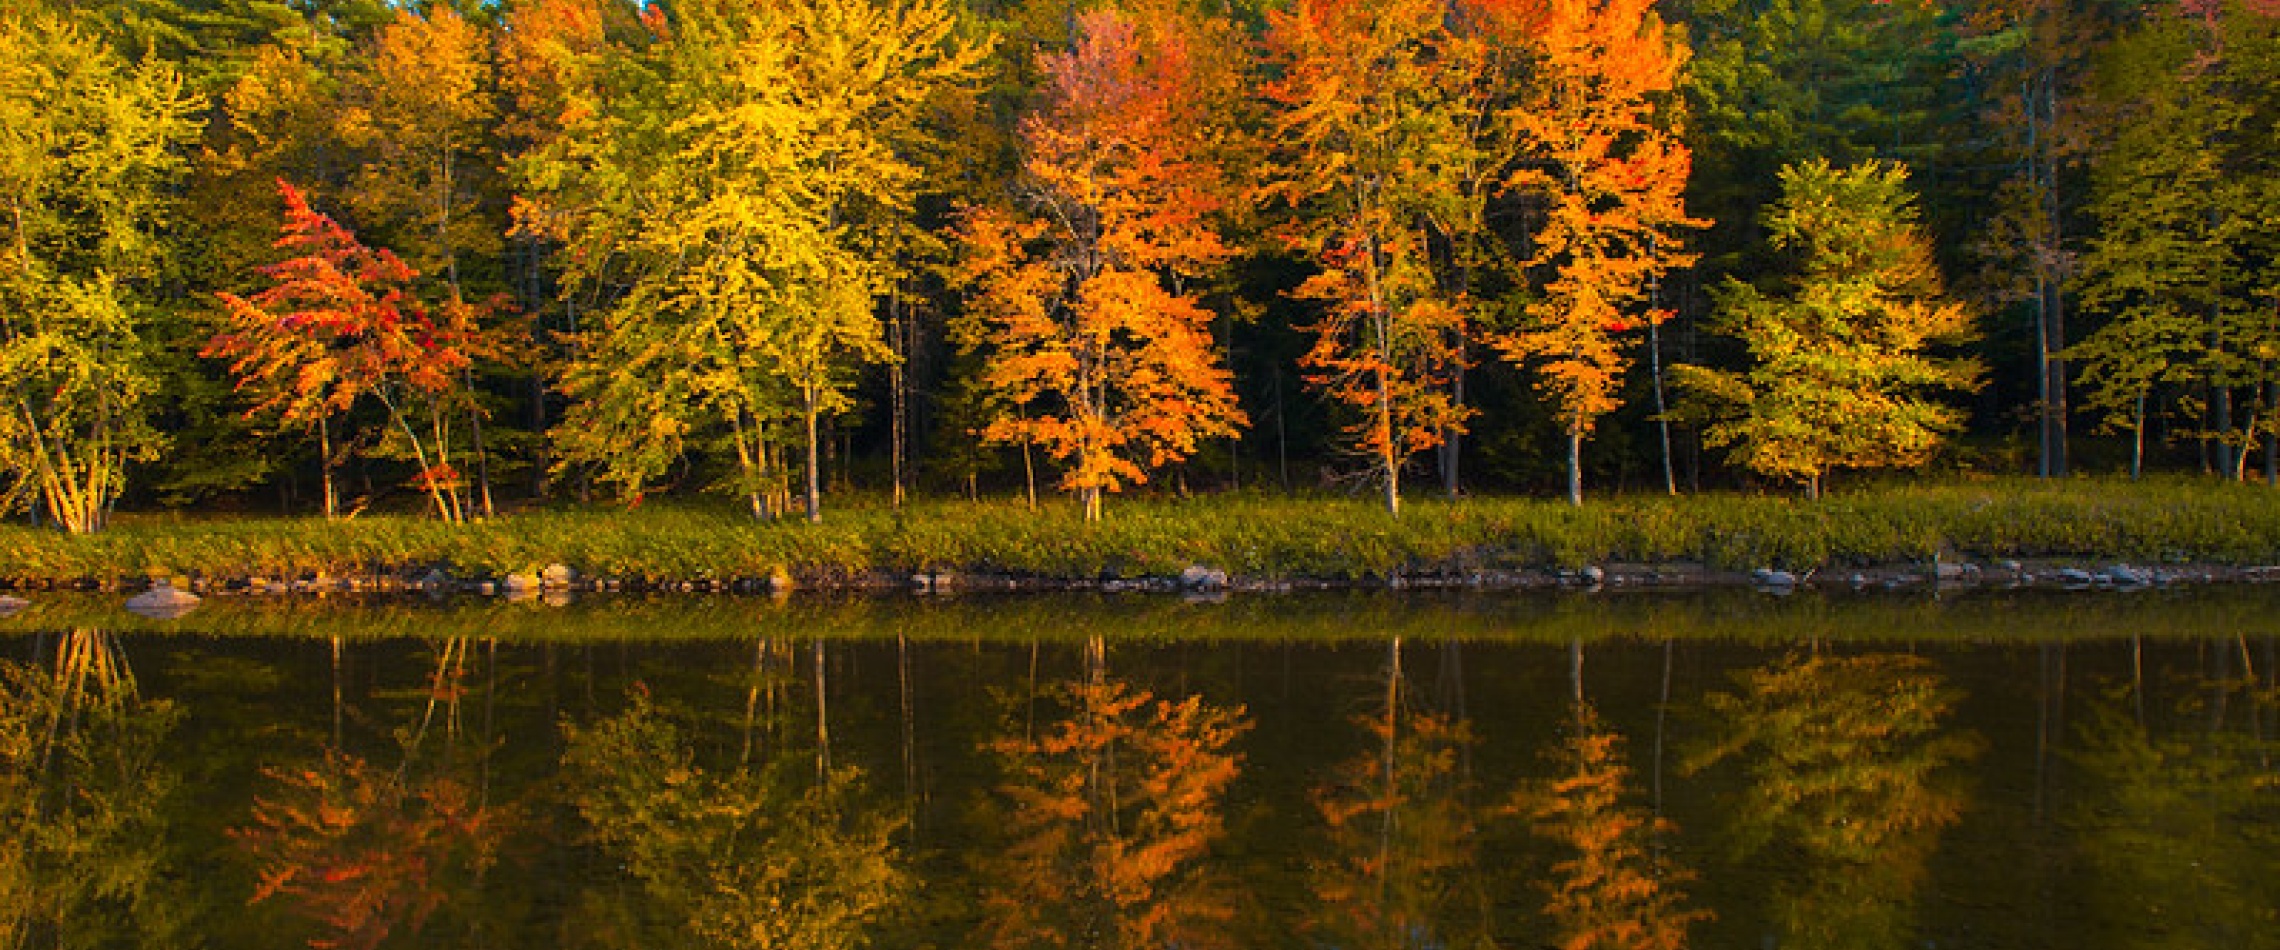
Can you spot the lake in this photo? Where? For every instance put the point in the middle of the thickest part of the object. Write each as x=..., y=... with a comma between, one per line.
x=2000, y=769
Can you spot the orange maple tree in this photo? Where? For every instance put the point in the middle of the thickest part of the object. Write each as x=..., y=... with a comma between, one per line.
x=338, y=323
x=1602, y=150
x=1082, y=300
x=1372, y=128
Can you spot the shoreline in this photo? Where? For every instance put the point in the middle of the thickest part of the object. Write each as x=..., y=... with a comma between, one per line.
x=2043, y=574
x=2060, y=534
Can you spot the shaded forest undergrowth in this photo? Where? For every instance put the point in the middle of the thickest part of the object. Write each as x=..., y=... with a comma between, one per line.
x=1253, y=537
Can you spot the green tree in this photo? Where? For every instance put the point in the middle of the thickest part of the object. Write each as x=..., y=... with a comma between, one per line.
x=2181, y=265
x=90, y=151
x=1842, y=365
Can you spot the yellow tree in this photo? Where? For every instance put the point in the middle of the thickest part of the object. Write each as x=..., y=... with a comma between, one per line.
x=1369, y=131
x=90, y=154
x=1081, y=302
x=1844, y=368
x=1602, y=150
x=710, y=192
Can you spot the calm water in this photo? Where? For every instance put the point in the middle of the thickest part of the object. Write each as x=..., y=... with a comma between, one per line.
x=1712, y=770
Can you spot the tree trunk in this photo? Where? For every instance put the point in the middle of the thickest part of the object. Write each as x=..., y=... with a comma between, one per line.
x=1028, y=474
x=482, y=459
x=1575, y=465
x=808, y=397
x=325, y=468
x=1662, y=409
x=2137, y=439
x=2220, y=403
x=1452, y=437
x=2272, y=434
x=1388, y=459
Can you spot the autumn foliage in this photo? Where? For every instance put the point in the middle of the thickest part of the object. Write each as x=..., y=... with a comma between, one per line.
x=339, y=323
x=1605, y=156
x=1084, y=300
x=1610, y=889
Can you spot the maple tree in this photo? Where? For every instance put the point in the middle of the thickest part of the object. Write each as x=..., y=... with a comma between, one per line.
x=1081, y=307
x=90, y=150
x=1111, y=811
x=1842, y=370
x=1366, y=120
x=340, y=323
x=1603, y=152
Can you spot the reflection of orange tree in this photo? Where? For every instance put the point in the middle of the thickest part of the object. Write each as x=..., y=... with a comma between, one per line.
x=2179, y=833
x=1848, y=766
x=1110, y=814
x=363, y=851
x=1609, y=890
x=740, y=857
x=81, y=792
x=1400, y=829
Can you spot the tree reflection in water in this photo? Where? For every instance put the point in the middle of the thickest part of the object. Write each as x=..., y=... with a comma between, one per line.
x=1400, y=870
x=82, y=799
x=1851, y=779
x=365, y=851
x=1110, y=811
x=747, y=856
x=1611, y=887
x=2180, y=831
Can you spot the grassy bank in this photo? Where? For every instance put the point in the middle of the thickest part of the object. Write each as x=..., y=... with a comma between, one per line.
x=1255, y=536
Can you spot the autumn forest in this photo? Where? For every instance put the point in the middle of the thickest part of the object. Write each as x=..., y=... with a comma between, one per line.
x=329, y=255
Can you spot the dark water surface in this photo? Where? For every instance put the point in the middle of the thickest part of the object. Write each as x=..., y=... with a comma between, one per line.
x=1714, y=769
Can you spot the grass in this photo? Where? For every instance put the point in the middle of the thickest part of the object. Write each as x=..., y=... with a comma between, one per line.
x=1260, y=536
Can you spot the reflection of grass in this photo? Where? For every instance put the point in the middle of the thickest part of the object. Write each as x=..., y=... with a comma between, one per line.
x=1538, y=616
x=1254, y=535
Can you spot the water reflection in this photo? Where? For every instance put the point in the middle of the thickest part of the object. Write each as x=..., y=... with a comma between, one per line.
x=1400, y=861
x=83, y=790
x=1105, y=790
x=1613, y=885
x=1109, y=806
x=360, y=851
x=1853, y=773
x=733, y=856
x=2181, y=838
